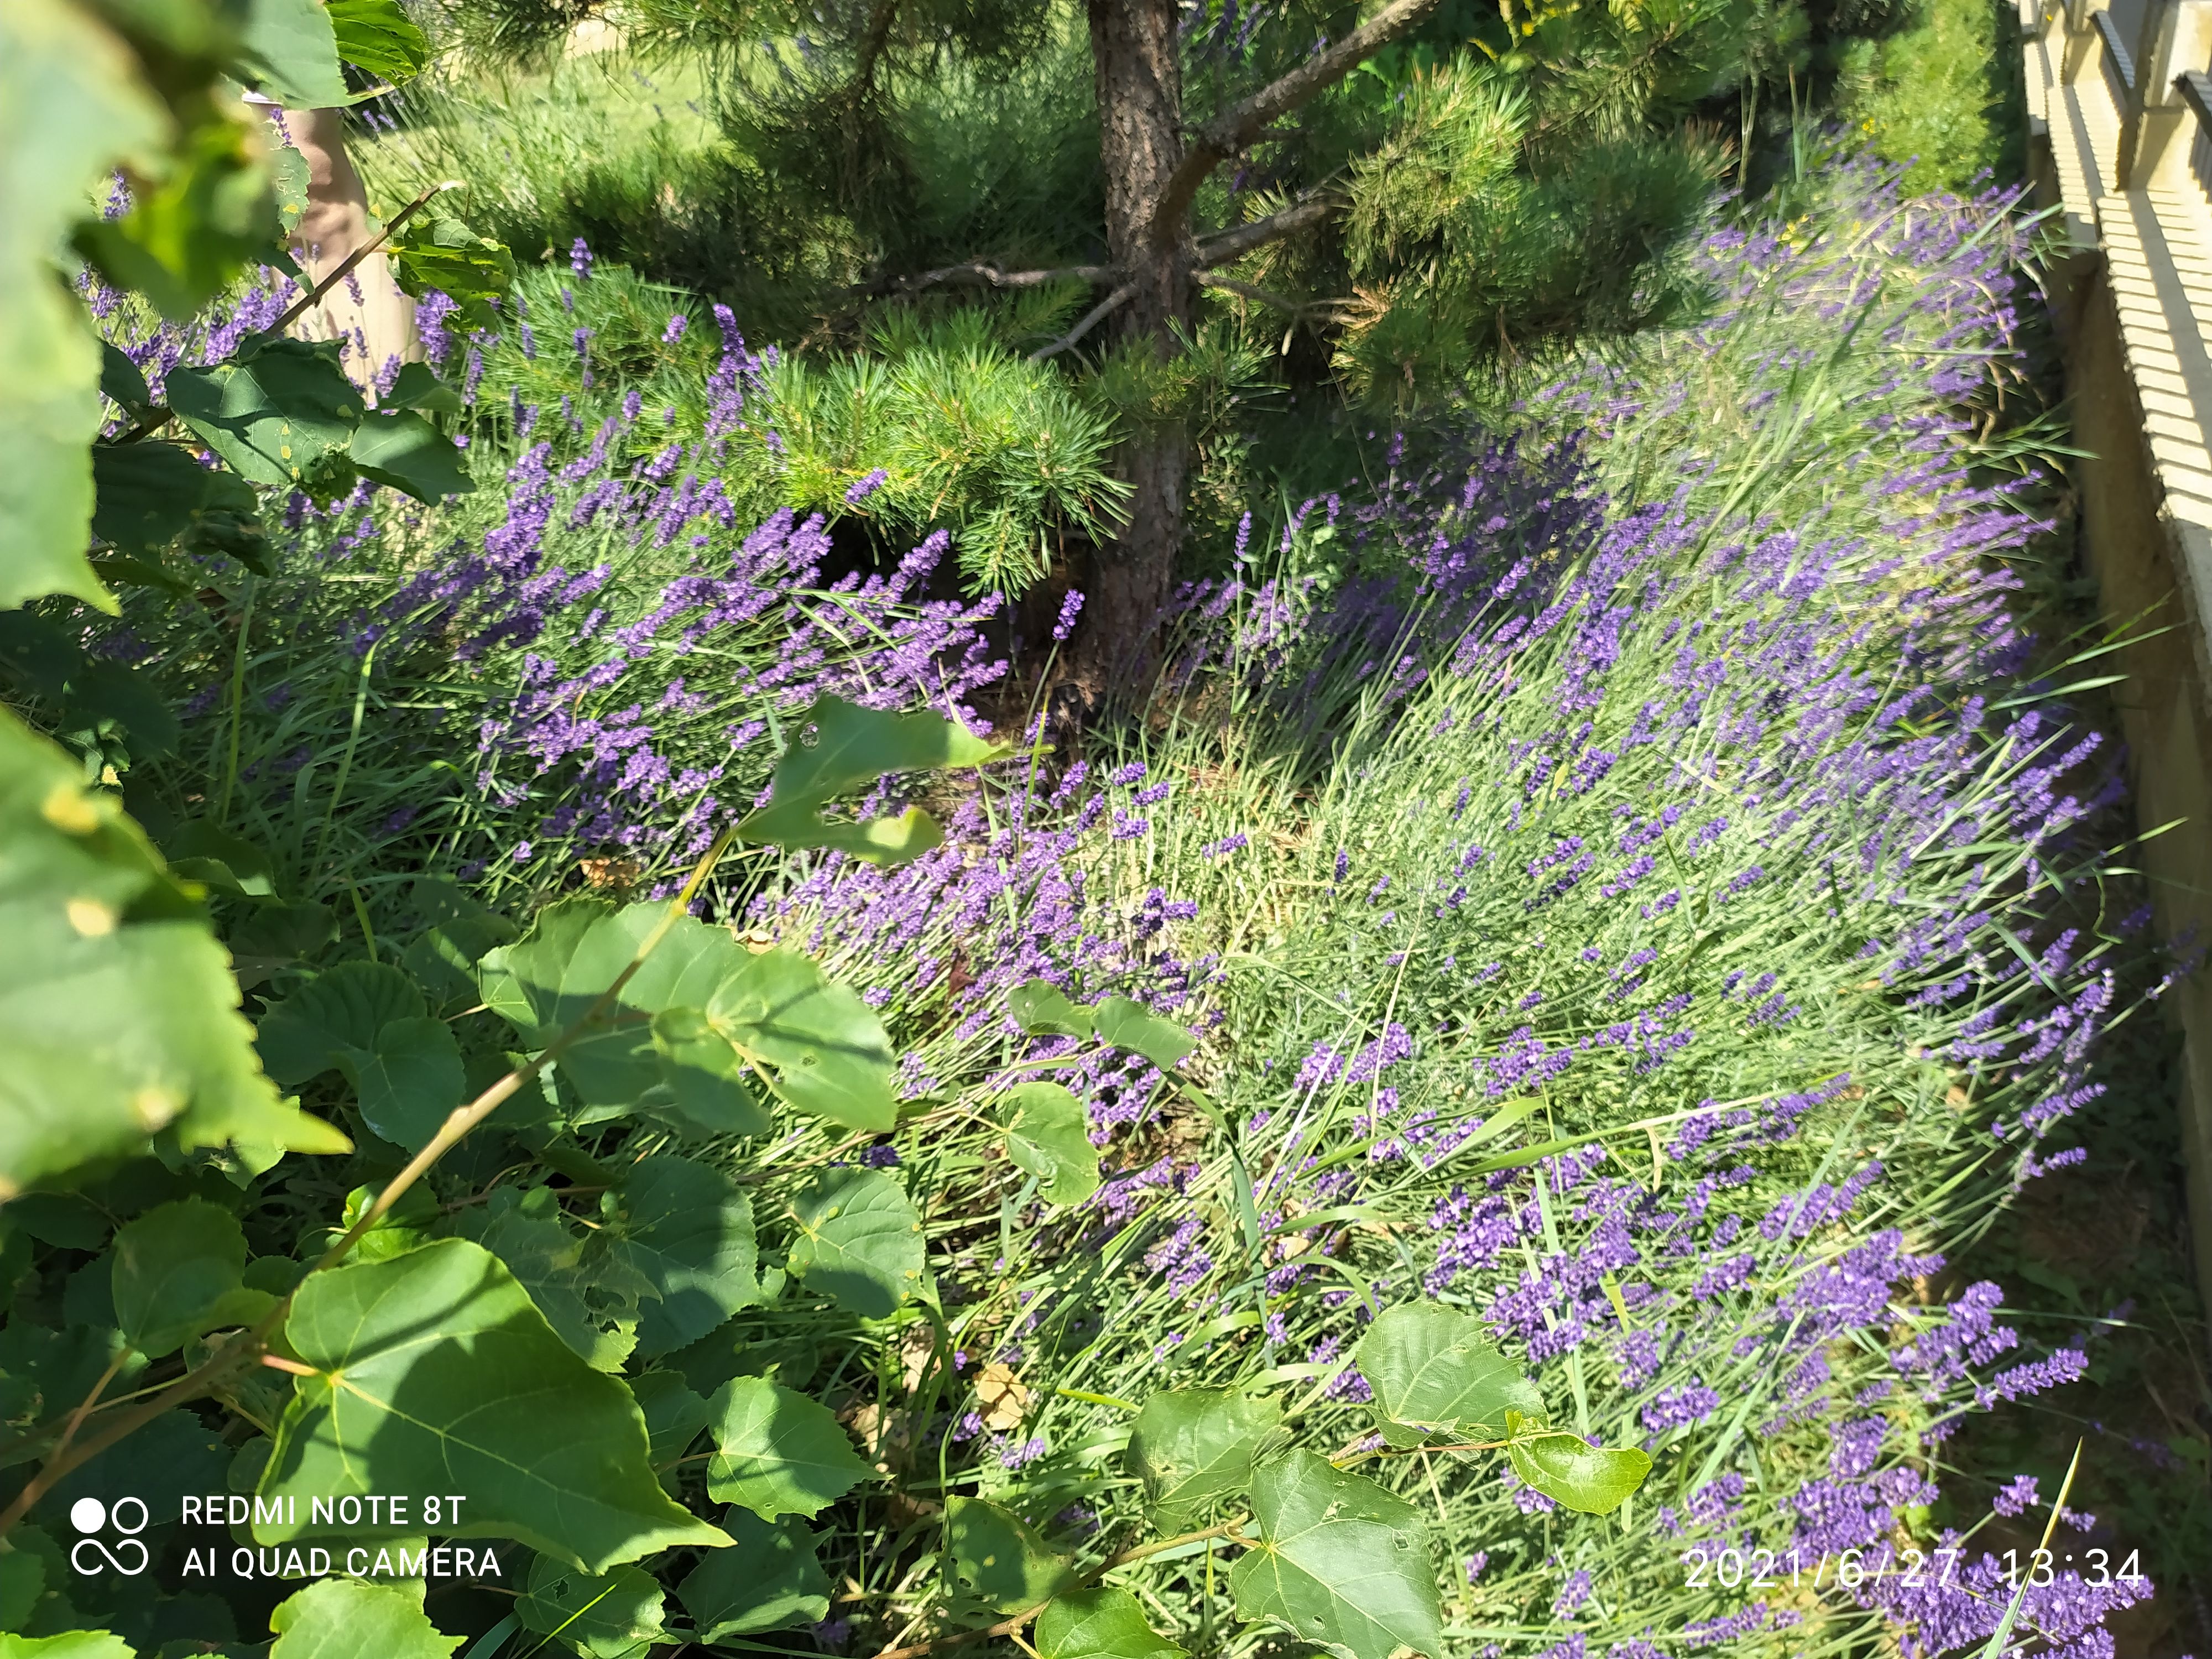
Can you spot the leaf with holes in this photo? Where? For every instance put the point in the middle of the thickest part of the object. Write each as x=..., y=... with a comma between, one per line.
x=1000, y=1557
x=1193, y=1449
x=1434, y=1371
x=779, y=1453
x=178, y=1271
x=1340, y=1562
x=353, y=1619
x=118, y=1014
x=820, y=1048
x=688, y=1232
x=1048, y=1136
x=859, y=1240
x=772, y=1579
x=613, y=1615
x=1102, y=1623
x=435, y=1372
x=276, y=416
x=589, y=1295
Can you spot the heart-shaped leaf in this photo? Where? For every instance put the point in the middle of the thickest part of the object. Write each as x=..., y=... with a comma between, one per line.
x=859, y=1240
x=398, y=447
x=1048, y=1136
x=1102, y=1623
x=779, y=1453
x=687, y=1229
x=840, y=747
x=1565, y=1468
x=704, y=1079
x=770, y=1580
x=410, y=1081
x=344, y=1008
x=613, y=1615
x=178, y=1272
x=1341, y=1563
x=1434, y=1371
x=354, y=1618
x=434, y=1372
x=1042, y=1009
x=1193, y=1448
x=1126, y=1025
x=118, y=1013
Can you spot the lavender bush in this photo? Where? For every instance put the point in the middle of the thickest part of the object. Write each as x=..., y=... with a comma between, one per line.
x=1688, y=942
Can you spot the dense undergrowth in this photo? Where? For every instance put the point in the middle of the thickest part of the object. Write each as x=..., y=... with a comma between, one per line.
x=1627, y=873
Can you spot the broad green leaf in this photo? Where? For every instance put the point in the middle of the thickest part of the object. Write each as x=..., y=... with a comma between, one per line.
x=859, y=1240
x=1042, y=1009
x=588, y=1293
x=445, y=254
x=336, y=1014
x=1000, y=1557
x=22, y=1578
x=70, y=1644
x=354, y=1618
x=46, y=661
x=202, y=850
x=673, y=1414
x=1565, y=1468
x=400, y=448
x=457, y=933
x=404, y=1227
x=840, y=747
x=410, y=1082
x=149, y=495
x=687, y=1230
x=1340, y=1562
x=435, y=1373
x=157, y=1463
x=178, y=1272
x=702, y=1077
x=610, y=1615
x=1102, y=1623
x=779, y=1453
x=419, y=387
x=377, y=36
x=553, y=977
x=1434, y=1371
x=276, y=415
x=1193, y=1448
x=828, y=1053
x=119, y=1015
x=1048, y=1136
x=771, y=1579
x=72, y=105
x=888, y=842
x=121, y=380
x=289, y=183
x=194, y=226
x=1127, y=1025
x=291, y=53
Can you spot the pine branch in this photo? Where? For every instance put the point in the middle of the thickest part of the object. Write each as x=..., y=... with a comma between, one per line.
x=1227, y=246
x=1240, y=124
x=1090, y=319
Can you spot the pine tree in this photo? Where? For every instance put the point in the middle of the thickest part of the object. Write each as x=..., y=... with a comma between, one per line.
x=1436, y=183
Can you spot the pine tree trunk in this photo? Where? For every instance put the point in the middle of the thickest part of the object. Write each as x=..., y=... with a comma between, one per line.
x=1140, y=74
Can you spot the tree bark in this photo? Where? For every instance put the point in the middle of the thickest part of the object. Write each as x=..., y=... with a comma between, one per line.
x=1134, y=52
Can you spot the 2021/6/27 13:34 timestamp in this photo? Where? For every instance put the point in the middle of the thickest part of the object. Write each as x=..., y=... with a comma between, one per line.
x=1762, y=1568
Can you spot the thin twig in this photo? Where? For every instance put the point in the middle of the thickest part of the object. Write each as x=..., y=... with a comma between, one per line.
x=1090, y=319
x=307, y=301
x=1227, y=246
x=983, y=273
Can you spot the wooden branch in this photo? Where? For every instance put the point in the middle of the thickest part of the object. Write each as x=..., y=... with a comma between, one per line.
x=1090, y=319
x=1230, y=246
x=1237, y=125
x=982, y=273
